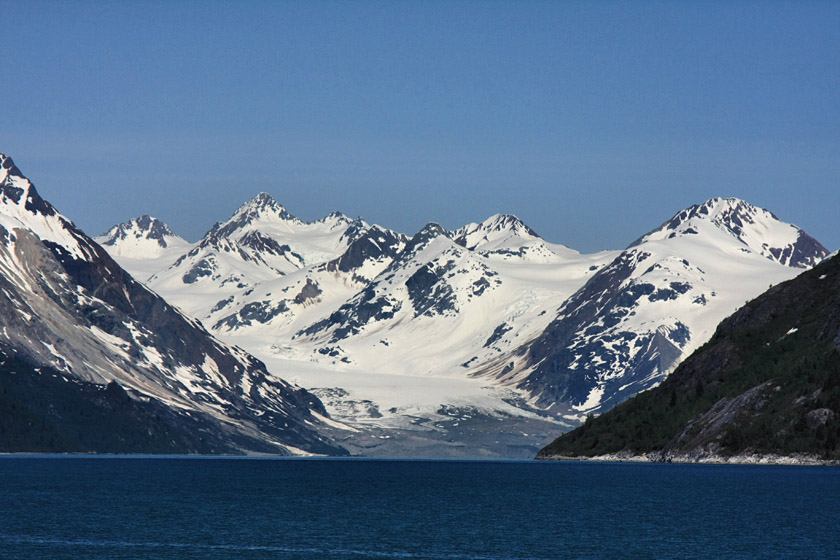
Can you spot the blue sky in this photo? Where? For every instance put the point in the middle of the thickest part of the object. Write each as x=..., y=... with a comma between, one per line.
x=593, y=122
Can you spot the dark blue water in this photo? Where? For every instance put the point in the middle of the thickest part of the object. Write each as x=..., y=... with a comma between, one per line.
x=354, y=509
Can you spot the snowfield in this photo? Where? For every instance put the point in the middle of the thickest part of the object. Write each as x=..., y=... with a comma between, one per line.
x=403, y=336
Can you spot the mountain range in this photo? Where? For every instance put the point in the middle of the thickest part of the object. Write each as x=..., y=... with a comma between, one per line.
x=276, y=335
x=485, y=340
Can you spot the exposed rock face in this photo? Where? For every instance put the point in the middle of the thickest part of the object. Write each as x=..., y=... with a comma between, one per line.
x=67, y=305
x=767, y=384
x=42, y=410
x=144, y=227
x=638, y=317
x=819, y=417
x=374, y=245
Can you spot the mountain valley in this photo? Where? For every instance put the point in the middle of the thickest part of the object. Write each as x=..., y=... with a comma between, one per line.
x=416, y=344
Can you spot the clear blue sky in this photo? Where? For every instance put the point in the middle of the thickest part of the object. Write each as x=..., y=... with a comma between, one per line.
x=593, y=122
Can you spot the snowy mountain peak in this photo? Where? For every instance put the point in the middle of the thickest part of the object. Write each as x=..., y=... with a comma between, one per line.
x=261, y=208
x=15, y=188
x=263, y=202
x=337, y=217
x=264, y=206
x=8, y=168
x=497, y=231
x=759, y=230
x=352, y=229
x=22, y=207
x=145, y=227
x=728, y=213
x=143, y=237
x=429, y=232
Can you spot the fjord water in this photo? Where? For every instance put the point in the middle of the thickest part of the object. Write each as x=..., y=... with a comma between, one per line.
x=95, y=507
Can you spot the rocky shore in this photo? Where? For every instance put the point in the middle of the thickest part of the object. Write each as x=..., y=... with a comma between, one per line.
x=701, y=457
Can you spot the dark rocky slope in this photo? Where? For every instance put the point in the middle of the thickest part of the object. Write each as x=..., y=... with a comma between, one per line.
x=44, y=411
x=766, y=384
x=66, y=306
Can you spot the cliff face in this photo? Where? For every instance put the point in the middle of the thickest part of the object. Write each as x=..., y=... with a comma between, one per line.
x=68, y=308
x=766, y=384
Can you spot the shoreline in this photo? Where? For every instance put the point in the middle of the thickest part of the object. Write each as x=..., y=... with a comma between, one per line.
x=653, y=458
x=804, y=460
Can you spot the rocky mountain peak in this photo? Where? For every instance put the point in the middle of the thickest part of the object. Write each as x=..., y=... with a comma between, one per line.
x=497, y=230
x=507, y=222
x=732, y=214
x=14, y=187
x=260, y=208
x=757, y=229
x=144, y=227
x=429, y=232
x=8, y=168
x=337, y=216
x=22, y=207
x=264, y=205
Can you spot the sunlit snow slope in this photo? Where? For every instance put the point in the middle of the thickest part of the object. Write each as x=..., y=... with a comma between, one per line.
x=487, y=321
x=143, y=245
x=659, y=300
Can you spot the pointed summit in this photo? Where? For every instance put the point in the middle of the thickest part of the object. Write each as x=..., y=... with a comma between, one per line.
x=8, y=168
x=22, y=207
x=759, y=230
x=145, y=227
x=143, y=237
x=17, y=189
x=429, y=232
x=264, y=202
x=263, y=205
x=497, y=231
x=261, y=208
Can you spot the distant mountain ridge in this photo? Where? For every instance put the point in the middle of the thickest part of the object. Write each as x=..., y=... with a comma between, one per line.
x=144, y=227
x=756, y=228
x=146, y=243
x=539, y=325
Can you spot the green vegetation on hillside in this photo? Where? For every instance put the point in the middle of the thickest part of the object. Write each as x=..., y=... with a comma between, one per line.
x=768, y=382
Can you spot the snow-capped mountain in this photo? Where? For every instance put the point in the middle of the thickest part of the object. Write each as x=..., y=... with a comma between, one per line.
x=448, y=308
x=384, y=292
x=143, y=245
x=506, y=237
x=65, y=304
x=143, y=237
x=756, y=228
x=261, y=242
x=659, y=300
x=500, y=230
x=488, y=321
